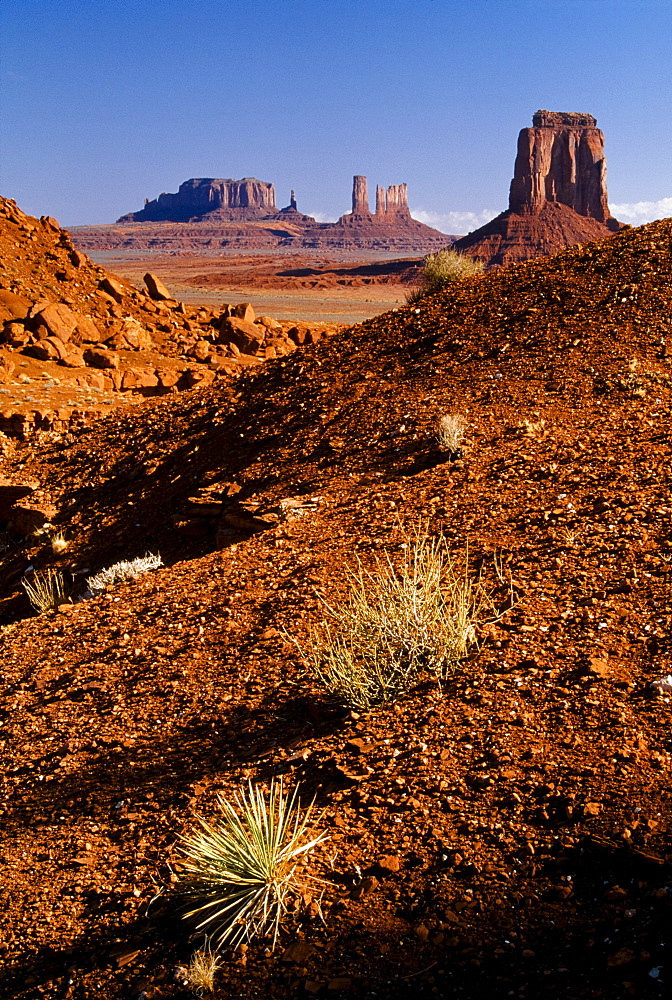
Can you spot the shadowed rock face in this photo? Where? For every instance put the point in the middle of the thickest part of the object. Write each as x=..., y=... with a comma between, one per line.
x=561, y=159
x=558, y=195
x=206, y=195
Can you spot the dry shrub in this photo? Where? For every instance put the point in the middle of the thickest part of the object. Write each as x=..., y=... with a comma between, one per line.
x=450, y=432
x=47, y=589
x=441, y=269
x=398, y=623
x=201, y=971
x=122, y=571
x=242, y=871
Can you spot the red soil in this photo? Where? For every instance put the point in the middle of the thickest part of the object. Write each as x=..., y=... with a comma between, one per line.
x=527, y=801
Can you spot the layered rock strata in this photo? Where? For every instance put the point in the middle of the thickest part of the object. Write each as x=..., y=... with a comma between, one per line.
x=199, y=196
x=558, y=195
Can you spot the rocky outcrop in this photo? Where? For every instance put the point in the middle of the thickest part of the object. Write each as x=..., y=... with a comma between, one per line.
x=360, y=196
x=211, y=214
x=227, y=198
x=558, y=195
x=561, y=159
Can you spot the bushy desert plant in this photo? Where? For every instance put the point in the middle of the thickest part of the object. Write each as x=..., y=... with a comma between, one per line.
x=399, y=622
x=47, y=588
x=450, y=432
x=242, y=870
x=441, y=269
x=122, y=571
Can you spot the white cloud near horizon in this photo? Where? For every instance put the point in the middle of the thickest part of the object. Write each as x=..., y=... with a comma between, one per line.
x=454, y=223
x=323, y=217
x=637, y=213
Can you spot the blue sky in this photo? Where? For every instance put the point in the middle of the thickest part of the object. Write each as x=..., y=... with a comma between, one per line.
x=106, y=102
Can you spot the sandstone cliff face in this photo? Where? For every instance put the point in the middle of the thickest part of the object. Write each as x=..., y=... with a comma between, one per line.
x=558, y=195
x=391, y=204
x=561, y=159
x=201, y=196
x=360, y=196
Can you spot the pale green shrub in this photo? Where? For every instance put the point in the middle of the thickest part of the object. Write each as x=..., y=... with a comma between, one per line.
x=398, y=623
x=441, y=269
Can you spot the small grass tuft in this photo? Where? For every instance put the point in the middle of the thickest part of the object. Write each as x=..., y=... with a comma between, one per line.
x=58, y=543
x=201, y=970
x=450, y=432
x=242, y=871
x=47, y=589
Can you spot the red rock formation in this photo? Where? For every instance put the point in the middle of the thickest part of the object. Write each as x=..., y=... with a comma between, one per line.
x=396, y=203
x=360, y=196
x=561, y=159
x=558, y=195
x=201, y=196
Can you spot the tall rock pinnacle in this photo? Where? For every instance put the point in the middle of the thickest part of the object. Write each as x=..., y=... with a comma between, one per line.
x=360, y=195
x=558, y=195
x=561, y=159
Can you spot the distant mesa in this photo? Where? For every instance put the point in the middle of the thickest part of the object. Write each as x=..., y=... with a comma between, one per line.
x=211, y=199
x=209, y=214
x=558, y=195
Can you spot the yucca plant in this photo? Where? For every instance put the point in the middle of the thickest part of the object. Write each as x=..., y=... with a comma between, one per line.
x=47, y=588
x=242, y=871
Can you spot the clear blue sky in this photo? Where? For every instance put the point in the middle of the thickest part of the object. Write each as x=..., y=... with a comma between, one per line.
x=106, y=102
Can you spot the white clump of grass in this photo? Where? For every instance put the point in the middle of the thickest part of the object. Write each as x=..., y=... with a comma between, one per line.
x=450, y=432
x=58, y=543
x=47, y=589
x=122, y=571
x=242, y=871
x=201, y=971
x=398, y=623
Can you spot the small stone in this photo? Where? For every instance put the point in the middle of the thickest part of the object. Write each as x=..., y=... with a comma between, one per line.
x=592, y=809
x=389, y=863
x=340, y=983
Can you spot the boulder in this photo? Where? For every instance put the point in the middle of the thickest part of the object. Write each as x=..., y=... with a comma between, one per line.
x=156, y=288
x=87, y=332
x=243, y=311
x=167, y=377
x=16, y=334
x=248, y=337
x=7, y=368
x=201, y=350
x=138, y=378
x=48, y=349
x=13, y=306
x=59, y=321
x=113, y=288
x=131, y=337
x=73, y=359
x=96, y=357
x=270, y=323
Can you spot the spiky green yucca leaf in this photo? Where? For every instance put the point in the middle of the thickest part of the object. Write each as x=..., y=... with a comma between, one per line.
x=242, y=870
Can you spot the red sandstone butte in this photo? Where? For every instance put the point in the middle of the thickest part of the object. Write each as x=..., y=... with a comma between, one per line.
x=558, y=195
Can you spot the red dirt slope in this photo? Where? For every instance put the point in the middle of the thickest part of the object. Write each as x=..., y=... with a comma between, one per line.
x=525, y=806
